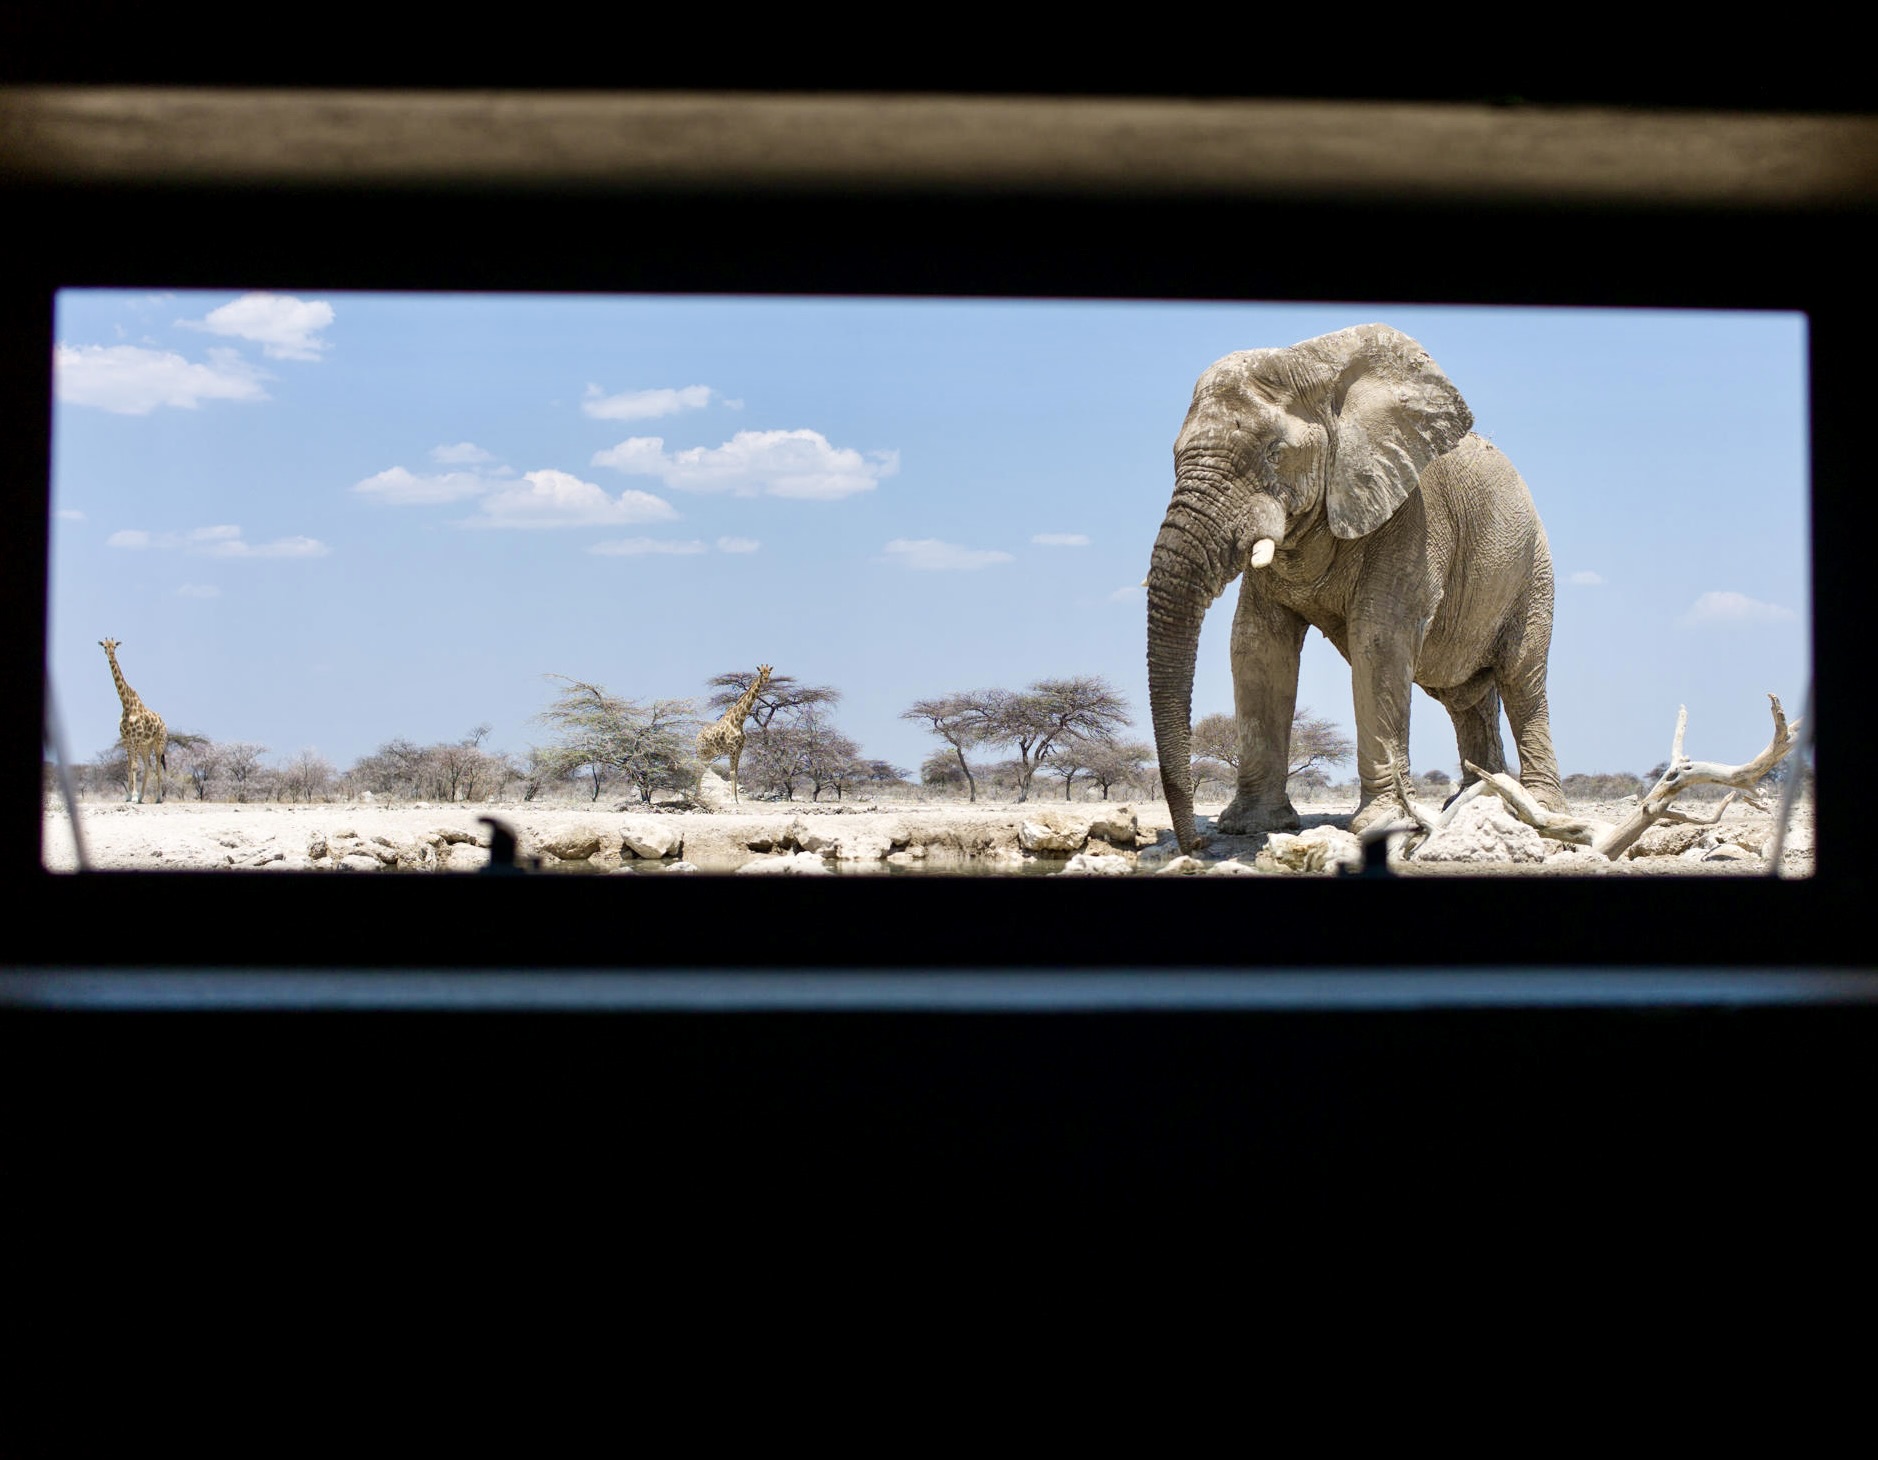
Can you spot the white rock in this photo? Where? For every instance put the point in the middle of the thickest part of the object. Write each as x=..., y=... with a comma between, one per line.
x=1041, y=836
x=797, y=864
x=570, y=844
x=651, y=839
x=1097, y=864
x=1321, y=849
x=864, y=846
x=714, y=793
x=1160, y=853
x=1484, y=831
x=1120, y=827
x=463, y=857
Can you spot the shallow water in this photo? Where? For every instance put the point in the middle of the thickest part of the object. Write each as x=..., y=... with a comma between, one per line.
x=925, y=867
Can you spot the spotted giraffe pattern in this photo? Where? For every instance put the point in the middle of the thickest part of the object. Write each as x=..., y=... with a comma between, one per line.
x=725, y=737
x=142, y=731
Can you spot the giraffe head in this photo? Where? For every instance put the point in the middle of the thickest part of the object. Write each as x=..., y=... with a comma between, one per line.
x=108, y=645
x=762, y=675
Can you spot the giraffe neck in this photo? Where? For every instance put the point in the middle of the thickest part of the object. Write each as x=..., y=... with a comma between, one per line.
x=740, y=711
x=124, y=691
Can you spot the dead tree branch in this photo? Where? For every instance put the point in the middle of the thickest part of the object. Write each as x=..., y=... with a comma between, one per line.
x=1613, y=840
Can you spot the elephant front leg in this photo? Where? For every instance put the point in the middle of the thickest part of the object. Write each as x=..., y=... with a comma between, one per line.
x=1267, y=640
x=1382, y=678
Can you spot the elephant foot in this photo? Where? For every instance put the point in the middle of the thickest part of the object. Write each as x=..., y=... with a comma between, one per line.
x=1547, y=795
x=1378, y=812
x=1248, y=816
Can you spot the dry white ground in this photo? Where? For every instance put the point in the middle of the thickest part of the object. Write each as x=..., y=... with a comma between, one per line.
x=1040, y=836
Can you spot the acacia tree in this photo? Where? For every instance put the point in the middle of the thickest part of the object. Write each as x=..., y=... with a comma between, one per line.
x=1120, y=763
x=603, y=734
x=944, y=769
x=1101, y=762
x=242, y=769
x=1216, y=739
x=308, y=776
x=962, y=720
x=777, y=761
x=782, y=701
x=463, y=768
x=109, y=769
x=1051, y=714
x=831, y=760
x=881, y=773
x=1315, y=743
x=196, y=758
x=396, y=768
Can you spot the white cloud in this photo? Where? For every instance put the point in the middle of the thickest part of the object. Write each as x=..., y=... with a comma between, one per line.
x=1130, y=594
x=1728, y=607
x=464, y=453
x=198, y=590
x=738, y=544
x=1585, y=578
x=402, y=488
x=644, y=405
x=69, y=514
x=774, y=463
x=284, y=327
x=1061, y=539
x=560, y=499
x=281, y=547
x=633, y=547
x=929, y=555
x=224, y=540
x=132, y=381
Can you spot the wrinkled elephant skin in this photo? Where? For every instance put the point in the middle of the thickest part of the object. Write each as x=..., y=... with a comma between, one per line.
x=1341, y=478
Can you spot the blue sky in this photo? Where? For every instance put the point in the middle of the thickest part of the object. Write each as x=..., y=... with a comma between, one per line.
x=325, y=520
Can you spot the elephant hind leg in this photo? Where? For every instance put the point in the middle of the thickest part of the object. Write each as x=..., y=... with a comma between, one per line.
x=1522, y=684
x=1477, y=736
x=1532, y=734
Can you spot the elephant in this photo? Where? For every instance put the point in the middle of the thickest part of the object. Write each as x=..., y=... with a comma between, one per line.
x=1342, y=478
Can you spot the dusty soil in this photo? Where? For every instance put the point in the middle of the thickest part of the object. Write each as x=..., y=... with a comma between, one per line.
x=1037, y=837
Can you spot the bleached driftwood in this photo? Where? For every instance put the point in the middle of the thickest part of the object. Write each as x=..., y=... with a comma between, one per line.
x=1609, y=839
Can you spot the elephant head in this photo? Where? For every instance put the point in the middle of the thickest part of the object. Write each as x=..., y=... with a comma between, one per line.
x=1332, y=433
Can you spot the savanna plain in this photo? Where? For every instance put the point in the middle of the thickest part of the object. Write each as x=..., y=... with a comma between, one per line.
x=884, y=837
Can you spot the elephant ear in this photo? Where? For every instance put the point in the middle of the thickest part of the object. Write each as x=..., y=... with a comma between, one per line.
x=1389, y=411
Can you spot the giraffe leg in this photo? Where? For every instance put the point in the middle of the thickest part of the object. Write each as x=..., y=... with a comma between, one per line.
x=735, y=755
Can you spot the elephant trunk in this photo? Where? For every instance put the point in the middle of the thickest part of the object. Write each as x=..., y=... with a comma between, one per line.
x=1174, y=616
x=1209, y=535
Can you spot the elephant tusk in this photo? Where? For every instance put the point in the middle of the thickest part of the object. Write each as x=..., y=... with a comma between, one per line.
x=1261, y=554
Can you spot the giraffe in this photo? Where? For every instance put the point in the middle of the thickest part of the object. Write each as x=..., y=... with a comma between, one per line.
x=725, y=737
x=142, y=731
